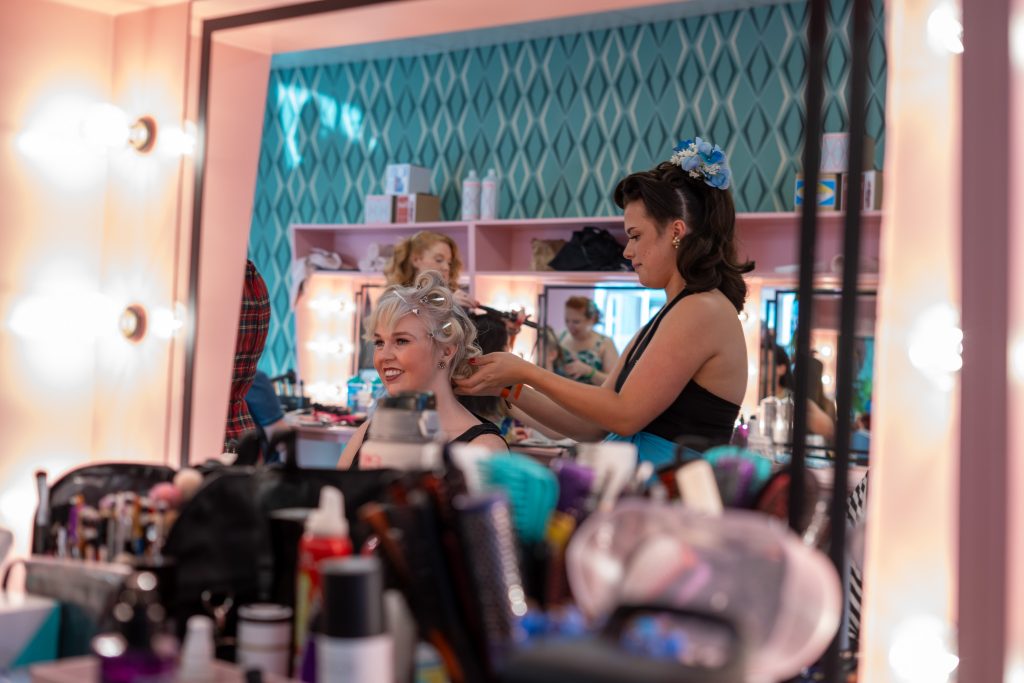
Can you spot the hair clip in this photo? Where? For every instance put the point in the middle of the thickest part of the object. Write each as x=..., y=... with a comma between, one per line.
x=415, y=311
x=446, y=328
x=434, y=299
x=700, y=159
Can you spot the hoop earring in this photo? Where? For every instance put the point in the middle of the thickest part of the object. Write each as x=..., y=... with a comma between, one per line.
x=676, y=242
x=441, y=364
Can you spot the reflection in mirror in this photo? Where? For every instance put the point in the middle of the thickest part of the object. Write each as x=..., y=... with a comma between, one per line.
x=622, y=309
x=779, y=321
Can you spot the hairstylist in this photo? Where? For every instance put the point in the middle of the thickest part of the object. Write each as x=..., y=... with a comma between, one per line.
x=685, y=372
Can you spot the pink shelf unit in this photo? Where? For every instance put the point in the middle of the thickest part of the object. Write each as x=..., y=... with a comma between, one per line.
x=772, y=240
x=505, y=245
x=352, y=241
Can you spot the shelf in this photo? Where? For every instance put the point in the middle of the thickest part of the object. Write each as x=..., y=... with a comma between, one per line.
x=556, y=276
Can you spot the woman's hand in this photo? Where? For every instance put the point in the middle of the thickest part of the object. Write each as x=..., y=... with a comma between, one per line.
x=576, y=369
x=494, y=372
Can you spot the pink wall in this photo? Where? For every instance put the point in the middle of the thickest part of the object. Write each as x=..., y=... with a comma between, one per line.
x=84, y=233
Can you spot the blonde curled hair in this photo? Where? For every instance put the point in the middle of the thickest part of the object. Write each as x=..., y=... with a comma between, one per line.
x=400, y=271
x=430, y=299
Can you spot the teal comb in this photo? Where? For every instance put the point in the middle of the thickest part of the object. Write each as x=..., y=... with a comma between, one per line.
x=531, y=487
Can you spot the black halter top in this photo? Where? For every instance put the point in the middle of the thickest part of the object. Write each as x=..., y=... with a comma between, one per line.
x=696, y=411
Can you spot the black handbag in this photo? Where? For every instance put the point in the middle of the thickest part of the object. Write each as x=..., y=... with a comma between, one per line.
x=590, y=249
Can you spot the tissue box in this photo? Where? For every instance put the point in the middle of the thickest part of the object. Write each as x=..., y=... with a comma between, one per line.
x=379, y=208
x=29, y=630
x=406, y=179
x=829, y=190
x=835, y=152
x=417, y=208
x=871, y=191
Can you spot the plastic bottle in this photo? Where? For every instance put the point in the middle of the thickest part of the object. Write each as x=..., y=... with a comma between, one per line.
x=326, y=536
x=140, y=646
x=471, y=197
x=489, y=196
x=354, y=644
x=197, y=652
x=353, y=387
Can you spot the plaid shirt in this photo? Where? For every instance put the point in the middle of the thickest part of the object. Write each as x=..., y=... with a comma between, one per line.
x=252, y=335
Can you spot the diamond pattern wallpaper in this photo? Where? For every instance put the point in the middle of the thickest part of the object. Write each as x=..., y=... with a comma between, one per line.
x=561, y=119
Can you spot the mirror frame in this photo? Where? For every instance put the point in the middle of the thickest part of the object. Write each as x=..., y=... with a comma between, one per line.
x=209, y=28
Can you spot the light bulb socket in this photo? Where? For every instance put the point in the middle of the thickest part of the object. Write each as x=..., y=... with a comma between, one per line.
x=142, y=135
x=133, y=322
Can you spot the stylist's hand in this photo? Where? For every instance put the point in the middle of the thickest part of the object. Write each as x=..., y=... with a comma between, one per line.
x=494, y=372
x=463, y=299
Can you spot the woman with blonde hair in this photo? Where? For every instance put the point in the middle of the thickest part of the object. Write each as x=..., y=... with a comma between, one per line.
x=422, y=342
x=424, y=251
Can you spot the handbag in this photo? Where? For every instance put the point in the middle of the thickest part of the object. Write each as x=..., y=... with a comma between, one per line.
x=591, y=248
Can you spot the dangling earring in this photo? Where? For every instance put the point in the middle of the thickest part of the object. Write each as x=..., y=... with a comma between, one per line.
x=441, y=364
x=676, y=242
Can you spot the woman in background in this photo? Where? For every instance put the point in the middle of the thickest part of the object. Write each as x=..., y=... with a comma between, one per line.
x=422, y=341
x=589, y=355
x=818, y=419
x=428, y=251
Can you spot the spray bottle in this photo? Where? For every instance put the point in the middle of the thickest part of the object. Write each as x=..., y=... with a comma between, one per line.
x=326, y=536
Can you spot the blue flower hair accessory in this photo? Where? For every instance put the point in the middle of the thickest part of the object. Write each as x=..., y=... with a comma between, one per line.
x=701, y=159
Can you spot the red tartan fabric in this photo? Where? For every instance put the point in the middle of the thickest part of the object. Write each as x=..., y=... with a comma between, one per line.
x=252, y=335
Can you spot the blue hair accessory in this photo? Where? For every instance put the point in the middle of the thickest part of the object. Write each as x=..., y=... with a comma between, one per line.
x=703, y=160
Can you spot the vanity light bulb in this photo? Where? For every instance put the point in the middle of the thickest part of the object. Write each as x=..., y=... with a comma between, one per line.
x=945, y=30
x=921, y=651
x=132, y=322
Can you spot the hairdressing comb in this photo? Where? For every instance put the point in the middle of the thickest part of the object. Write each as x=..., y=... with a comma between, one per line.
x=431, y=579
x=532, y=490
x=485, y=525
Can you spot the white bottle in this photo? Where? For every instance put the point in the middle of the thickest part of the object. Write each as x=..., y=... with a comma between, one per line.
x=471, y=197
x=197, y=653
x=489, y=196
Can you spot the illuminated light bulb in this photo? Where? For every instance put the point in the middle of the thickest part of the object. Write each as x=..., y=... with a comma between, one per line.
x=341, y=347
x=826, y=380
x=743, y=316
x=326, y=304
x=825, y=351
x=936, y=345
x=105, y=125
x=174, y=141
x=945, y=30
x=920, y=651
x=132, y=322
x=166, y=323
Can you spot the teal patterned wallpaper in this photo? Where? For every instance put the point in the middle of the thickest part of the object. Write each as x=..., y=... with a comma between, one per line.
x=561, y=119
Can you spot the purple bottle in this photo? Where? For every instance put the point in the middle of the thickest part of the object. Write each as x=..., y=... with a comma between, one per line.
x=138, y=650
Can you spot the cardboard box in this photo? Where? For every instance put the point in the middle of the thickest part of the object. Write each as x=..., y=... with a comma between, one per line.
x=871, y=191
x=406, y=179
x=835, y=153
x=417, y=208
x=829, y=191
x=379, y=208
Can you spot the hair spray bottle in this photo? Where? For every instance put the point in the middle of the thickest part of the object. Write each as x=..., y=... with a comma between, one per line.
x=354, y=644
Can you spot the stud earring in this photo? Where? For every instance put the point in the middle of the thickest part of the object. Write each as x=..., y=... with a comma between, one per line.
x=676, y=242
x=441, y=364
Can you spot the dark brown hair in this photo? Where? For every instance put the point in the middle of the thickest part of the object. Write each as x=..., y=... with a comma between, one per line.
x=706, y=258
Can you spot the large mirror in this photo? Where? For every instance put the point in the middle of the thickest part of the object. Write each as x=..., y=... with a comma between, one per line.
x=779, y=325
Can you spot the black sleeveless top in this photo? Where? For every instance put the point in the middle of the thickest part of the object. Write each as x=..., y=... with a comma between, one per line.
x=485, y=427
x=696, y=411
